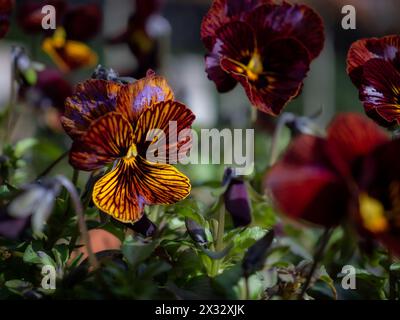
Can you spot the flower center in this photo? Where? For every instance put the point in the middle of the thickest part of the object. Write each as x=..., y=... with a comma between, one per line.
x=254, y=67
x=132, y=152
x=373, y=214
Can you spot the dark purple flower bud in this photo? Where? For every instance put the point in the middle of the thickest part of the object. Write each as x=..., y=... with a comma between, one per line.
x=237, y=202
x=196, y=232
x=144, y=226
x=255, y=256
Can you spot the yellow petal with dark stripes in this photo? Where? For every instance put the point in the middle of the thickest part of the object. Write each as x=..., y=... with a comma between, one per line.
x=134, y=182
x=107, y=139
x=116, y=193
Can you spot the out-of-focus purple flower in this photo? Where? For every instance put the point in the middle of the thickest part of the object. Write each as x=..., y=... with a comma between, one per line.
x=10, y=227
x=51, y=90
x=83, y=22
x=145, y=25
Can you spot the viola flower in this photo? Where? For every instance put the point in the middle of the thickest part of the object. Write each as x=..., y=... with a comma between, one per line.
x=82, y=22
x=351, y=174
x=5, y=12
x=265, y=47
x=141, y=35
x=67, y=54
x=109, y=122
x=374, y=67
x=30, y=16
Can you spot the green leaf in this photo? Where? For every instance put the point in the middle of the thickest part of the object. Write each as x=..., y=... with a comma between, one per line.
x=136, y=251
x=23, y=146
x=37, y=257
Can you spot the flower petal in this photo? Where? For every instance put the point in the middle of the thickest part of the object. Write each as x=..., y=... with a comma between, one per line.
x=134, y=98
x=350, y=136
x=222, y=12
x=83, y=22
x=164, y=116
x=91, y=100
x=116, y=193
x=69, y=54
x=223, y=80
x=380, y=90
x=160, y=183
x=107, y=139
x=286, y=64
x=289, y=21
x=305, y=186
x=387, y=48
x=125, y=190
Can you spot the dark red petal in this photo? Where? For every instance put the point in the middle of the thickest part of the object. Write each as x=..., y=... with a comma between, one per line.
x=107, y=139
x=290, y=21
x=221, y=78
x=361, y=51
x=52, y=85
x=222, y=12
x=212, y=21
x=350, y=136
x=305, y=187
x=285, y=63
x=83, y=22
x=380, y=89
x=91, y=100
x=239, y=7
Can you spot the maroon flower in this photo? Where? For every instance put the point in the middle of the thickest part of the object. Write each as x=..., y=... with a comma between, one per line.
x=51, y=89
x=29, y=15
x=353, y=173
x=81, y=22
x=374, y=67
x=5, y=12
x=266, y=47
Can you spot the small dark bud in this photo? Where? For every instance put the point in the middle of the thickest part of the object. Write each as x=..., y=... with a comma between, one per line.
x=255, y=256
x=196, y=232
x=237, y=203
x=144, y=226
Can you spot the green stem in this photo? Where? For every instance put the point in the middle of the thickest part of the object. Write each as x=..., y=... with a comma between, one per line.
x=274, y=150
x=392, y=280
x=219, y=238
x=52, y=165
x=323, y=241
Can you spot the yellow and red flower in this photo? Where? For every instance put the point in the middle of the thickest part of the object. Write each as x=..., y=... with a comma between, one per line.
x=109, y=123
x=68, y=54
x=265, y=47
x=351, y=174
x=374, y=67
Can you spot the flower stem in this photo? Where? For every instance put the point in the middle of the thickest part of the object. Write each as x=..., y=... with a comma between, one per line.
x=52, y=165
x=274, y=150
x=392, y=280
x=323, y=241
x=219, y=238
x=76, y=201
